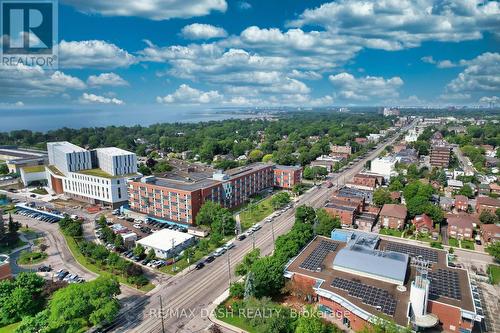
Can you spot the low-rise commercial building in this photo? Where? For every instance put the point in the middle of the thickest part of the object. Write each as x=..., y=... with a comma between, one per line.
x=96, y=176
x=358, y=278
x=385, y=166
x=166, y=242
x=16, y=158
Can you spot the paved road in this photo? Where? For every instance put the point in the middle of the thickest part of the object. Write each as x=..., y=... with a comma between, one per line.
x=464, y=161
x=187, y=299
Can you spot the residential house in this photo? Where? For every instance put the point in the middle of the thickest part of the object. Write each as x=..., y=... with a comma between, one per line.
x=365, y=221
x=361, y=141
x=393, y=216
x=396, y=196
x=423, y=224
x=484, y=189
x=344, y=210
x=495, y=188
x=455, y=185
x=461, y=203
x=490, y=233
x=365, y=181
x=487, y=203
x=461, y=226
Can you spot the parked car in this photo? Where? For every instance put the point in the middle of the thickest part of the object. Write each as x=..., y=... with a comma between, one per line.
x=45, y=268
x=229, y=246
x=241, y=237
x=199, y=265
x=209, y=259
x=256, y=227
x=220, y=251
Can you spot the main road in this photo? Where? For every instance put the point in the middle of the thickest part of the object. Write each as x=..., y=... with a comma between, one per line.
x=184, y=302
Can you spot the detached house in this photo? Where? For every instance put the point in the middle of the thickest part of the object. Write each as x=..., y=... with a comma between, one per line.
x=393, y=216
x=461, y=203
x=423, y=224
x=461, y=226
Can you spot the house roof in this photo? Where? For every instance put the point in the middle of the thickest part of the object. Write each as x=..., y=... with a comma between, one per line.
x=492, y=229
x=422, y=221
x=461, y=198
x=487, y=201
x=393, y=210
x=461, y=221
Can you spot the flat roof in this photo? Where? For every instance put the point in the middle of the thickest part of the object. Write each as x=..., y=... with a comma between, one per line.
x=66, y=146
x=162, y=239
x=114, y=151
x=18, y=154
x=327, y=274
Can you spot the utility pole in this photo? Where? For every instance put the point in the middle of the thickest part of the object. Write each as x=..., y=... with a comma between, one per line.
x=173, y=254
x=253, y=239
x=161, y=316
x=272, y=228
x=229, y=268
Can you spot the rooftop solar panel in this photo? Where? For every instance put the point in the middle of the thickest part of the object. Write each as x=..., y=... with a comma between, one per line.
x=314, y=260
x=444, y=283
x=413, y=251
x=373, y=296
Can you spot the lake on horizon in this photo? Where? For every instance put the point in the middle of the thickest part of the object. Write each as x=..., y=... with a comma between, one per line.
x=49, y=119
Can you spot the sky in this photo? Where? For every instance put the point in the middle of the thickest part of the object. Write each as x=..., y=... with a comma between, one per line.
x=261, y=53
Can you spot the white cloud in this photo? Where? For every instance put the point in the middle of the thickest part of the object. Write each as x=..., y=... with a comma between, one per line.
x=493, y=100
x=454, y=97
x=187, y=95
x=243, y=5
x=481, y=75
x=398, y=24
x=18, y=104
x=96, y=99
x=29, y=81
x=93, y=54
x=365, y=88
x=202, y=31
x=307, y=75
x=106, y=79
x=151, y=9
x=428, y=60
x=326, y=100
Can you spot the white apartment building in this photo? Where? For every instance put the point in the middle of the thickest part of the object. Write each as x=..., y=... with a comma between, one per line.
x=96, y=176
x=385, y=166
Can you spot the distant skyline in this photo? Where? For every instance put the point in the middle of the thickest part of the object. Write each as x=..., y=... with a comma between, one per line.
x=217, y=53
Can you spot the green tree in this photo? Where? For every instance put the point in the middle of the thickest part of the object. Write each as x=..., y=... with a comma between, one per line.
x=311, y=323
x=268, y=276
x=494, y=250
x=381, y=196
x=267, y=158
x=244, y=266
x=139, y=251
x=279, y=200
x=255, y=155
x=218, y=218
x=237, y=290
x=305, y=214
x=151, y=254
x=4, y=169
x=487, y=217
x=467, y=191
x=326, y=223
x=119, y=241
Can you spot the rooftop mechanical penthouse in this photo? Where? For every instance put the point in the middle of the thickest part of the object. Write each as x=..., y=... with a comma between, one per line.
x=179, y=199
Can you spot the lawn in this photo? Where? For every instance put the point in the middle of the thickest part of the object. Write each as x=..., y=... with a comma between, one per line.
x=7, y=248
x=235, y=320
x=390, y=232
x=96, y=172
x=256, y=214
x=31, y=258
x=34, y=168
x=82, y=260
x=29, y=233
x=494, y=273
x=40, y=191
x=452, y=242
x=467, y=244
x=9, y=328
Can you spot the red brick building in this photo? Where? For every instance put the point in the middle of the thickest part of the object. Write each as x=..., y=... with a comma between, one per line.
x=393, y=216
x=345, y=210
x=366, y=181
x=287, y=176
x=345, y=294
x=440, y=156
x=495, y=188
x=423, y=224
x=487, y=203
x=461, y=203
x=461, y=226
x=490, y=233
x=179, y=200
x=5, y=271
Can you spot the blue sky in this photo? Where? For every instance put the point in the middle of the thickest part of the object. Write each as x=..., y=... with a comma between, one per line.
x=211, y=53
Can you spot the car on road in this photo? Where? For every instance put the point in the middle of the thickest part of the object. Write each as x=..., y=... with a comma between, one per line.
x=45, y=268
x=241, y=237
x=256, y=227
x=199, y=265
x=220, y=251
x=209, y=259
x=228, y=246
